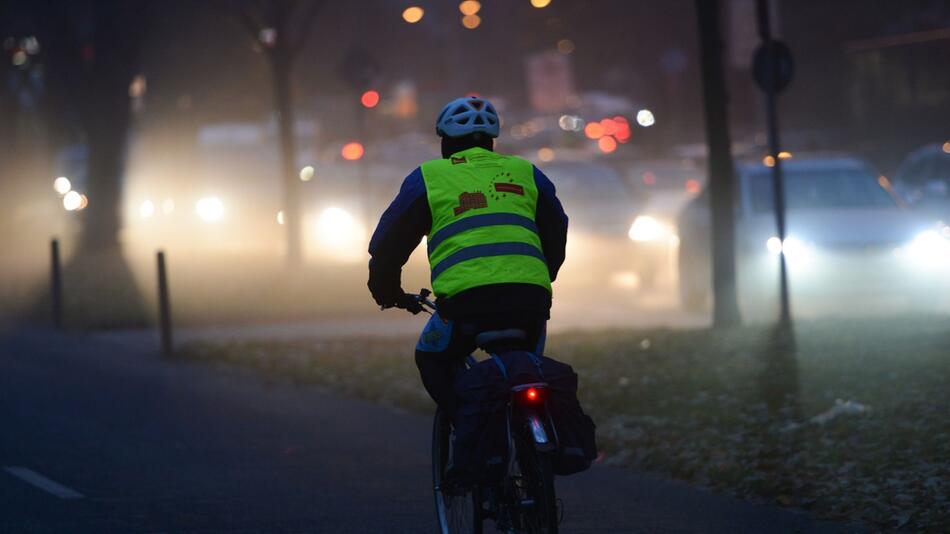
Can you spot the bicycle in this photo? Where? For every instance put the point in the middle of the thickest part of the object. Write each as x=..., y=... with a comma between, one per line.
x=524, y=501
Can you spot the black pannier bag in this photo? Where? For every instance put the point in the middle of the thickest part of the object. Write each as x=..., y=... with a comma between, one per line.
x=481, y=435
x=576, y=444
x=480, y=449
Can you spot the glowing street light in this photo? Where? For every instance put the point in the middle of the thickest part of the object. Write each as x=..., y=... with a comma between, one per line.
x=413, y=14
x=540, y=3
x=306, y=173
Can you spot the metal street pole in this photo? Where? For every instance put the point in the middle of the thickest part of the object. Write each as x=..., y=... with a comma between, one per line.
x=778, y=185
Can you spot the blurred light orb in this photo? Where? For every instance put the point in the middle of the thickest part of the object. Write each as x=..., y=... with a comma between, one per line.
x=19, y=58
x=83, y=202
x=370, y=99
x=168, y=206
x=471, y=21
x=693, y=186
x=31, y=45
x=340, y=235
x=470, y=7
x=147, y=209
x=609, y=126
x=607, y=144
x=930, y=249
x=645, y=229
x=540, y=3
x=545, y=154
x=768, y=161
x=784, y=155
x=594, y=130
x=268, y=36
x=306, y=173
x=210, y=209
x=280, y=217
x=352, y=151
x=645, y=118
x=413, y=14
x=565, y=46
x=774, y=246
x=946, y=147
x=62, y=185
x=72, y=201
x=138, y=86
x=571, y=123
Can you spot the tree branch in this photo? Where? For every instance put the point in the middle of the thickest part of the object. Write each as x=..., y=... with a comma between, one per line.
x=304, y=25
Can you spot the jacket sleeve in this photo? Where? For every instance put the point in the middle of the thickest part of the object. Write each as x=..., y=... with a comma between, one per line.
x=400, y=229
x=552, y=223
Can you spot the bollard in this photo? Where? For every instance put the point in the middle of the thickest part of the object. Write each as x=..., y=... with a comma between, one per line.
x=56, y=285
x=164, y=307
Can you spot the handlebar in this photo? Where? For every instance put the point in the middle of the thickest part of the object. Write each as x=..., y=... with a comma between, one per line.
x=422, y=298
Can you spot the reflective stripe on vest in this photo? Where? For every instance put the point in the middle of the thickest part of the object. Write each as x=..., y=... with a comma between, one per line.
x=483, y=230
x=485, y=251
x=477, y=221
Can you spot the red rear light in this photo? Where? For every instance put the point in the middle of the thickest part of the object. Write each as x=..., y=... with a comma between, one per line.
x=532, y=395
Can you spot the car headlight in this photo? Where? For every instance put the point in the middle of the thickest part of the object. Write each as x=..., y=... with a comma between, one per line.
x=210, y=209
x=929, y=248
x=794, y=249
x=340, y=235
x=646, y=228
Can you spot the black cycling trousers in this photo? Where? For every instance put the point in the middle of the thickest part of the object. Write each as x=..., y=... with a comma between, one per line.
x=443, y=344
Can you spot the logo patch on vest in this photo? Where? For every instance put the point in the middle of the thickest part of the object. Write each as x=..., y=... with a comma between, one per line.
x=456, y=161
x=471, y=201
x=509, y=188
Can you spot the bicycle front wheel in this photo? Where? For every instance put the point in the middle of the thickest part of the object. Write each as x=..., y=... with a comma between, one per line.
x=458, y=511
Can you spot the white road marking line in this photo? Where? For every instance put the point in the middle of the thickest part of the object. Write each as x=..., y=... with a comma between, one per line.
x=32, y=477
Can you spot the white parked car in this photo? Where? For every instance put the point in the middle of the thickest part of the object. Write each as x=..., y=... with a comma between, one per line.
x=847, y=238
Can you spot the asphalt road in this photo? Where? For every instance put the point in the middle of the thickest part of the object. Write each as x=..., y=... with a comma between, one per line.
x=97, y=436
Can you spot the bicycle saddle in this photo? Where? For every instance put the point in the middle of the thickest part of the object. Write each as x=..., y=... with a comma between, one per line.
x=492, y=337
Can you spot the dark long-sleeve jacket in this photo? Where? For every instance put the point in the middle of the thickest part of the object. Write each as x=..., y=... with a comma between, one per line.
x=408, y=218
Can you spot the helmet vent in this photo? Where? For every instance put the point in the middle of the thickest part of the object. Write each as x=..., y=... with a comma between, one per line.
x=478, y=120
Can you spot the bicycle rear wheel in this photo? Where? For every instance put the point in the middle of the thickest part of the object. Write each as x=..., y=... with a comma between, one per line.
x=458, y=512
x=537, y=485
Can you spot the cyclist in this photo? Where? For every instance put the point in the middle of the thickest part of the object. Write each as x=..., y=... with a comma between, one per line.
x=496, y=236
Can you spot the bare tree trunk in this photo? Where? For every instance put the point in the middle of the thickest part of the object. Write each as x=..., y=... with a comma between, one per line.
x=721, y=174
x=281, y=70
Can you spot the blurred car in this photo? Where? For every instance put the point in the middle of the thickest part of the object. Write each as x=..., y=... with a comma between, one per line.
x=601, y=208
x=846, y=236
x=923, y=180
x=664, y=187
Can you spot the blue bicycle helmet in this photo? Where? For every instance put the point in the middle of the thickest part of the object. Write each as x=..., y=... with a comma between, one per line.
x=467, y=115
